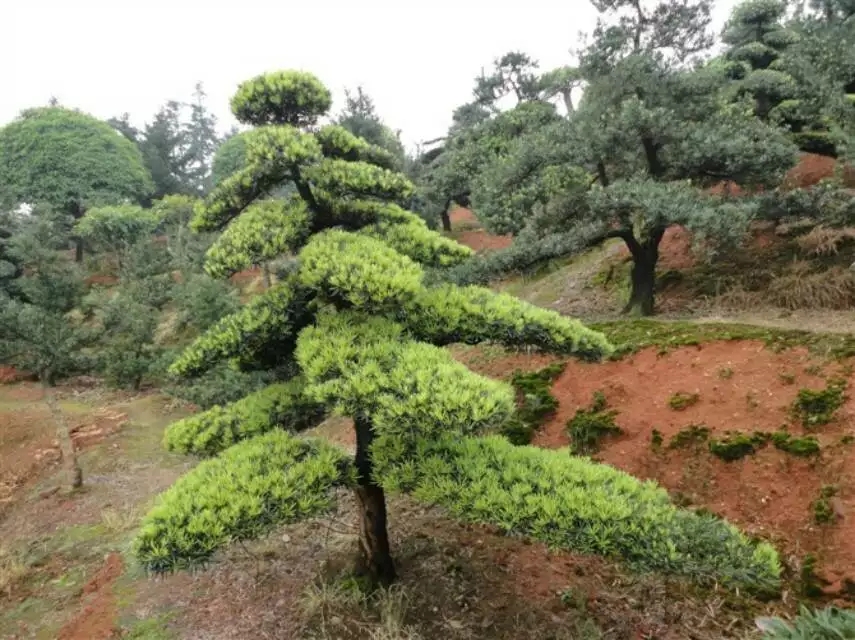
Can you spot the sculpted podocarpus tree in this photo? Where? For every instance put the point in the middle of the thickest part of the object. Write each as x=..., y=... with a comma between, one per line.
x=354, y=328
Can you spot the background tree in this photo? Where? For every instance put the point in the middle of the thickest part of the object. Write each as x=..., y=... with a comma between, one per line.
x=118, y=228
x=38, y=333
x=202, y=142
x=360, y=117
x=228, y=158
x=353, y=327
x=69, y=161
x=10, y=267
x=649, y=132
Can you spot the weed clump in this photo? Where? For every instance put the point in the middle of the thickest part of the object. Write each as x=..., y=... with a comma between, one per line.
x=815, y=408
x=803, y=447
x=536, y=402
x=589, y=426
x=682, y=400
x=656, y=440
x=689, y=436
x=735, y=445
x=823, y=511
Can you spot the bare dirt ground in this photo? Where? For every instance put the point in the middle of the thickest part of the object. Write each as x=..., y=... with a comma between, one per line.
x=66, y=570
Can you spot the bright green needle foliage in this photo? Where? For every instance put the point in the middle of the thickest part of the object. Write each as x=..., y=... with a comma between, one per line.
x=231, y=196
x=337, y=142
x=355, y=214
x=345, y=179
x=252, y=487
x=573, y=503
x=279, y=406
x=449, y=314
x=281, y=145
x=263, y=331
x=265, y=230
x=282, y=97
x=409, y=389
x=423, y=245
x=358, y=270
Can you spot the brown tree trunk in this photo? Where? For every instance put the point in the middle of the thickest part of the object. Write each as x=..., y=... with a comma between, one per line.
x=645, y=255
x=374, y=559
x=445, y=217
x=63, y=434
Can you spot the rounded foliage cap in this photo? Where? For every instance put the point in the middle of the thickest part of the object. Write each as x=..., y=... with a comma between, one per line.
x=296, y=98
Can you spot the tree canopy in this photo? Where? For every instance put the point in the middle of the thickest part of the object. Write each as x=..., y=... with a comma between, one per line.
x=68, y=160
x=353, y=326
x=657, y=124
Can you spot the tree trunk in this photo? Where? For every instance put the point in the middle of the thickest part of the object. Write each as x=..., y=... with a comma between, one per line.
x=63, y=434
x=265, y=272
x=374, y=559
x=446, y=219
x=645, y=255
x=78, y=250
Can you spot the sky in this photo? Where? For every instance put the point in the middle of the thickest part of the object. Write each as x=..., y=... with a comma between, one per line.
x=417, y=61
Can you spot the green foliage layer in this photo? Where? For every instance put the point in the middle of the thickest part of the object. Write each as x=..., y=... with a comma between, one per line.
x=279, y=406
x=253, y=486
x=572, y=503
x=263, y=330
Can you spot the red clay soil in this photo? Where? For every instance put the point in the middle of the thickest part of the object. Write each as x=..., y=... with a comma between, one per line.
x=97, y=618
x=28, y=444
x=770, y=493
x=10, y=375
x=812, y=168
x=475, y=238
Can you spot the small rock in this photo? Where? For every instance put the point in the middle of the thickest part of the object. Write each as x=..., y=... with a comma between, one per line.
x=838, y=507
x=286, y=538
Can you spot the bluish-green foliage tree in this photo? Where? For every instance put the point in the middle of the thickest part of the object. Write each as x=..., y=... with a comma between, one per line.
x=650, y=131
x=69, y=161
x=354, y=328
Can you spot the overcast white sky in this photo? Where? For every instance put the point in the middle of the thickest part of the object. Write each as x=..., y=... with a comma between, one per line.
x=417, y=60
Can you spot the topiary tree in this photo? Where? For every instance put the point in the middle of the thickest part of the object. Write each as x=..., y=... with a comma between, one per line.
x=354, y=328
x=69, y=161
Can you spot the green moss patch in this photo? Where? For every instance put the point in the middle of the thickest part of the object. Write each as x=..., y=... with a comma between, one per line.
x=590, y=426
x=682, y=400
x=690, y=436
x=803, y=447
x=535, y=400
x=736, y=445
x=823, y=512
x=815, y=408
x=634, y=335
